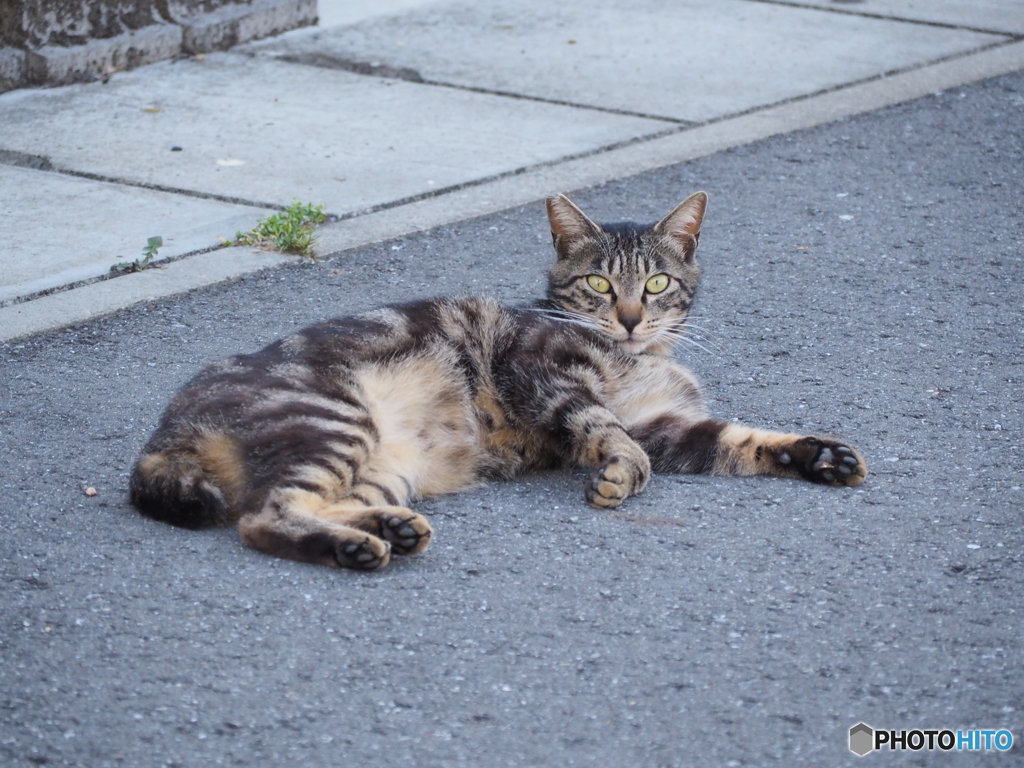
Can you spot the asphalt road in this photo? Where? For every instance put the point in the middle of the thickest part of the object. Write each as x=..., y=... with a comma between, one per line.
x=863, y=278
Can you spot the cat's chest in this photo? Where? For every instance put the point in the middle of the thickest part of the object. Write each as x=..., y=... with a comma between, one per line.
x=650, y=387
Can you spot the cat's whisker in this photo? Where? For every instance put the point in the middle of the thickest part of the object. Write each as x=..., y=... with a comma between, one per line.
x=688, y=325
x=557, y=314
x=700, y=347
x=571, y=318
x=683, y=337
x=569, y=321
x=687, y=334
x=697, y=328
x=694, y=319
x=685, y=326
x=691, y=316
x=563, y=312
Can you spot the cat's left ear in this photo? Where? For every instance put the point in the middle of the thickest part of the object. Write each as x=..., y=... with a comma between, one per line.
x=683, y=224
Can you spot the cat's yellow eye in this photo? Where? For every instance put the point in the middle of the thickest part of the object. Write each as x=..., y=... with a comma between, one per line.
x=598, y=283
x=657, y=284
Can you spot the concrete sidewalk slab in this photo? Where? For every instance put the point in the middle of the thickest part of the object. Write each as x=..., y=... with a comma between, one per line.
x=264, y=131
x=692, y=61
x=60, y=229
x=333, y=13
x=1006, y=16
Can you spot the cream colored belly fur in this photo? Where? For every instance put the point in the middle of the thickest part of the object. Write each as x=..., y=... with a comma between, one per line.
x=429, y=438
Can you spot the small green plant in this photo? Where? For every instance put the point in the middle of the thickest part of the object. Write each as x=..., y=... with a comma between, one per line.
x=153, y=245
x=290, y=231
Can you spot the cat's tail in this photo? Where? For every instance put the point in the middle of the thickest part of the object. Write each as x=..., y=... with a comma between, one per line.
x=190, y=486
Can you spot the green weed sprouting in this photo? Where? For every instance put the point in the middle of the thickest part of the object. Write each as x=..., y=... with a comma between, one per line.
x=153, y=245
x=290, y=231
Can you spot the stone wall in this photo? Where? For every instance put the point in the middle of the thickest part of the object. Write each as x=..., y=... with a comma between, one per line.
x=51, y=42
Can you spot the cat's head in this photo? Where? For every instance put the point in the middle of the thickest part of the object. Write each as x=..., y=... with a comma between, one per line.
x=632, y=283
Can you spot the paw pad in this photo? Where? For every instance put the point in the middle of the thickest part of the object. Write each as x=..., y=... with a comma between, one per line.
x=408, y=533
x=365, y=555
x=824, y=461
x=609, y=485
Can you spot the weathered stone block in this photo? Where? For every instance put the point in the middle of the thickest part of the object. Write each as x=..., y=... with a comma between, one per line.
x=54, y=64
x=33, y=24
x=61, y=41
x=12, y=68
x=234, y=24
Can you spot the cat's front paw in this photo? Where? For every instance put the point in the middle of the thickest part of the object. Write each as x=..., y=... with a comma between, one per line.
x=821, y=460
x=621, y=477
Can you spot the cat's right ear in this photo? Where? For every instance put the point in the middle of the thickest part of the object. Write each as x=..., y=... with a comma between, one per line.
x=569, y=225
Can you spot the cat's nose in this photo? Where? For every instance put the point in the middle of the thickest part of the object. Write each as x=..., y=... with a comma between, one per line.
x=629, y=321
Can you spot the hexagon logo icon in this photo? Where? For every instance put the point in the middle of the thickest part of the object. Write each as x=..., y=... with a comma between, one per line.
x=862, y=739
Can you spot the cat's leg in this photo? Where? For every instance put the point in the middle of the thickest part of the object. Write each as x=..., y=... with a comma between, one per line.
x=377, y=506
x=290, y=524
x=621, y=468
x=317, y=498
x=589, y=435
x=748, y=451
x=360, y=530
x=560, y=402
x=722, y=448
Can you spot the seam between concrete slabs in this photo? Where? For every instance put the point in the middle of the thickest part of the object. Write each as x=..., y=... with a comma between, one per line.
x=158, y=264
x=324, y=61
x=412, y=76
x=97, y=299
x=886, y=17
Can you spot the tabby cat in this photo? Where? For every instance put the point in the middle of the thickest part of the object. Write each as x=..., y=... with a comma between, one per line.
x=316, y=444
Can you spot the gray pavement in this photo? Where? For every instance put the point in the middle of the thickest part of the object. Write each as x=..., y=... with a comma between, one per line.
x=863, y=276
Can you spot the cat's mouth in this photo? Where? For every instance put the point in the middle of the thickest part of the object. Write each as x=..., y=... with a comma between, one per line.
x=650, y=338
x=631, y=345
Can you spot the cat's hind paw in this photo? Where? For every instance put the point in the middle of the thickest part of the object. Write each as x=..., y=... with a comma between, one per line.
x=821, y=460
x=366, y=553
x=403, y=531
x=408, y=532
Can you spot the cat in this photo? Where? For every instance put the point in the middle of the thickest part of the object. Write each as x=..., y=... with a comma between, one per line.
x=315, y=445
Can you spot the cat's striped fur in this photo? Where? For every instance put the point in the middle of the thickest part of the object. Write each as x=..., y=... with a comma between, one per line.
x=316, y=444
